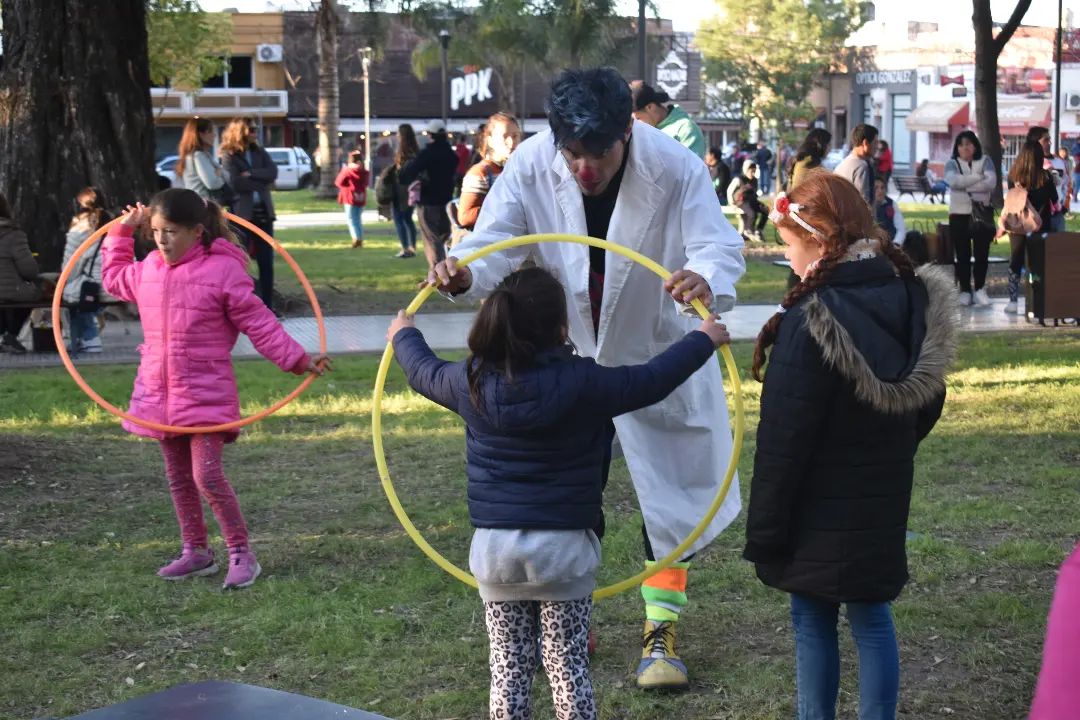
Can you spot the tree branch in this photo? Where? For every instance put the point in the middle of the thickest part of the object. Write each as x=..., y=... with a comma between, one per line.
x=1009, y=27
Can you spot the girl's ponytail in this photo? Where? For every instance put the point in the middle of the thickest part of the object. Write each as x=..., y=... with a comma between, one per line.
x=492, y=340
x=91, y=205
x=216, y=225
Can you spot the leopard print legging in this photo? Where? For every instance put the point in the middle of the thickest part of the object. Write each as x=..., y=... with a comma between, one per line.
x=513, y=633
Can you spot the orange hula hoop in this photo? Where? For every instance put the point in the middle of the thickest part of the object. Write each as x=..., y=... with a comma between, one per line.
x=225, y=427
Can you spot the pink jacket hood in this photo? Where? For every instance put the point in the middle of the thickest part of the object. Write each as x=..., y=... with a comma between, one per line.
x=192, y=313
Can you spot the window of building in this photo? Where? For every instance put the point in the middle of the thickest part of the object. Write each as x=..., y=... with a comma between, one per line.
x=901, y=136
x=239, y=74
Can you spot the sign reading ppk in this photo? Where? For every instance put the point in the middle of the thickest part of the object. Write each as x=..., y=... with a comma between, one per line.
x=474, y=86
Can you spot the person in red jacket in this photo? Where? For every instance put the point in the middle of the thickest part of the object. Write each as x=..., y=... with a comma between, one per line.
x=352, y=184
x=884, y=165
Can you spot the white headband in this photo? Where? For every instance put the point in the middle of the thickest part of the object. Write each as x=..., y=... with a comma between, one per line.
x=783, y=207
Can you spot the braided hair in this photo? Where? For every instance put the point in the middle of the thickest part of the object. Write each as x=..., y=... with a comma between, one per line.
x=834, y=207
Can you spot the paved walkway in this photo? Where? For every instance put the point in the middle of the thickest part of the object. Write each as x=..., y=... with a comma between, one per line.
x=321, y=219
x=352, y=334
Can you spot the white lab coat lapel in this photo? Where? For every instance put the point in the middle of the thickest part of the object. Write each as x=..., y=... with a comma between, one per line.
x=573, y=259
x=638, y=202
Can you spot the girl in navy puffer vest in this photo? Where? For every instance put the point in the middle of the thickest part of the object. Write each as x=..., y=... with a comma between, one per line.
x=537, y=416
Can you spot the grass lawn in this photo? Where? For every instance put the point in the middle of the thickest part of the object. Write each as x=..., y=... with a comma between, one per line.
x=348, y=610
x=372, y=280
x=291, y=202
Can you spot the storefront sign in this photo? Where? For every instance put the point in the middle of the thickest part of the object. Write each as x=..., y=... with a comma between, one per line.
x=885, y=77
x=672, y=75
x=473, y=87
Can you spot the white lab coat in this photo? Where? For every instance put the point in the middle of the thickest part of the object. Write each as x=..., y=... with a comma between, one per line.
x=677, y=450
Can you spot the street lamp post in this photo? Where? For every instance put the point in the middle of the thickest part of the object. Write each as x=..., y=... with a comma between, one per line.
x=366, y=62
x=641, y=40
x=1057, y=82
x=444, y=41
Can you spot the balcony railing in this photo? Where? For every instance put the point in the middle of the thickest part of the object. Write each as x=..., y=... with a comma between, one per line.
x=218, y=102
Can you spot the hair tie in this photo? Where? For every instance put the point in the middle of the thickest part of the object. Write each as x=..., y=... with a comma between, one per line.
x=783, y=207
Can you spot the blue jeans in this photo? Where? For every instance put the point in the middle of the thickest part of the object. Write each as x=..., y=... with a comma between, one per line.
x=817, y=658
x=406, y=229
x=84, y=326
x=353, y=213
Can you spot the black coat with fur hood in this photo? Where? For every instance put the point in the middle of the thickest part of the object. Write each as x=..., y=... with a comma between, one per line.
x=855, y=380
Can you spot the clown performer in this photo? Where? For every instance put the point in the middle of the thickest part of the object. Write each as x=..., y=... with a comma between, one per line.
x=599, y=173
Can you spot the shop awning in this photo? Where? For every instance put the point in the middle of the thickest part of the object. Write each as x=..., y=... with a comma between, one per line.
x=937, y=116
x=1016, y=116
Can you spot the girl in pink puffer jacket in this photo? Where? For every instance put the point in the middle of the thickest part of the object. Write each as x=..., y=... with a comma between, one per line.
x=194, y=297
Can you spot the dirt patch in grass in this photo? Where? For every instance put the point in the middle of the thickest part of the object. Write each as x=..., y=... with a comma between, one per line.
x=49, y=483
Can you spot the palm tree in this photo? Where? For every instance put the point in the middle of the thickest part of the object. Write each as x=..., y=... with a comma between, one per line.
x=327, y=28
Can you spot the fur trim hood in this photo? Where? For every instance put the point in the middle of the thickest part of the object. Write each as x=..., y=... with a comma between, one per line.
x=923, y=378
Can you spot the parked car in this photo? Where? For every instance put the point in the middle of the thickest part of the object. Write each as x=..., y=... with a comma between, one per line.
x=166, y=168
x=834, y=158
x=295, y=169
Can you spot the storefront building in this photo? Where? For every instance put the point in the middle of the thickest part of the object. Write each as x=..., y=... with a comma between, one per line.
x=947, y=106
x=397, y=96
x=254, y=85
x=884, y=99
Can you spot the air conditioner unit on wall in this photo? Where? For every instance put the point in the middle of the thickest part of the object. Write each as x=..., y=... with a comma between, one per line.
x=268, y=53
x=1072, y=101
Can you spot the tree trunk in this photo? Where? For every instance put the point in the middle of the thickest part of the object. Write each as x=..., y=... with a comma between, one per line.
x=986, y=113
x=327, y=25
x=987, y=50
x=74, y=111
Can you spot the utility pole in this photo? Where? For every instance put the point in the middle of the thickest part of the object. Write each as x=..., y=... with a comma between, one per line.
x=641, y=41
x=1057, y=82
x=366, y=61
x=444, y=42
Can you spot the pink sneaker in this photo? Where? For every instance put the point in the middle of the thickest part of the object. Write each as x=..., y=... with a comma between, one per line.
x=243, y=569
x=193, y=562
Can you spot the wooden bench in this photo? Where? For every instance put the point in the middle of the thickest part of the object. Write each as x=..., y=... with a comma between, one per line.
x=911, y=184
x=45, y=304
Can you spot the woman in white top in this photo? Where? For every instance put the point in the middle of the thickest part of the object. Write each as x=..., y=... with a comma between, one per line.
x=89, y=216
x=196, y=167
x=971, y=178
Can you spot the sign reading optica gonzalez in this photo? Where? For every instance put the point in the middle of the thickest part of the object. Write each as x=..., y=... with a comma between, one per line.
x=472, y=87
x=884, y=78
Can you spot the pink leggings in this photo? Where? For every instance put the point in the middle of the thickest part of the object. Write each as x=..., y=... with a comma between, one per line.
x=193, y=466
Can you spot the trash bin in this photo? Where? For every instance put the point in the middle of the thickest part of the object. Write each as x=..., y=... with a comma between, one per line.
x=1053, y=266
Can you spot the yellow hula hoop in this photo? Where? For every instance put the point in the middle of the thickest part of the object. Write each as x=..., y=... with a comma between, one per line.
x=388, y=356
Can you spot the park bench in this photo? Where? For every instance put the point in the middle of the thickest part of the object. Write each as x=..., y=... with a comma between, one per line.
x=41, y=339
x=911, y=184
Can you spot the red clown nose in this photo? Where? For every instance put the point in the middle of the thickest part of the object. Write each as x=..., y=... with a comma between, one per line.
x=587, y=175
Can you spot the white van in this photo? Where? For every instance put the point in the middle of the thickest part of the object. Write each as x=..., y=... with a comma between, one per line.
x=294, y=167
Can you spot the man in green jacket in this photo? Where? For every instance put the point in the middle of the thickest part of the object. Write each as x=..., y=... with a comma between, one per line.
x=651, y=106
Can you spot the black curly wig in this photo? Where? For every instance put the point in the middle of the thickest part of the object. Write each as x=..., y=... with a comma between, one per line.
x=591, y=105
